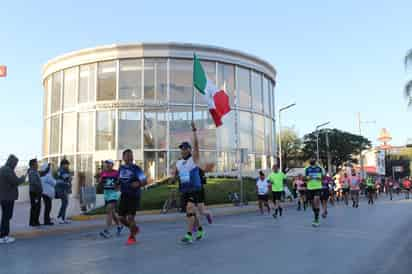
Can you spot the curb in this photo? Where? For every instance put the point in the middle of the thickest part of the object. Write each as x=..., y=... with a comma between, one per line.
x=66, y=230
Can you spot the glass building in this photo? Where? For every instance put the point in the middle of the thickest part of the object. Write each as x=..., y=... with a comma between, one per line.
x=100, y=101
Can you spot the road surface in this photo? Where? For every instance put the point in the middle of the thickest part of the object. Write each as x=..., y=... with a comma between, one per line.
x=370, y=239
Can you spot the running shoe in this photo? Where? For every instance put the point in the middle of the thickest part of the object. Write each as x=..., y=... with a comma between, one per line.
x=131, y=240
x=274, y=215
x=119, y=230
x=106, y=234
x=324, y=215
x=187, y=239
x=315, y=223
x=7, y=240
x=209, y=218
x=200, y=235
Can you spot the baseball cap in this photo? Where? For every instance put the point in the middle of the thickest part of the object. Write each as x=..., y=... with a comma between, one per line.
x=185, y=145
x=109, y=162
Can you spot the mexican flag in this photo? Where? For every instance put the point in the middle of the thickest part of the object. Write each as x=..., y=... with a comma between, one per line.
x=218, y=100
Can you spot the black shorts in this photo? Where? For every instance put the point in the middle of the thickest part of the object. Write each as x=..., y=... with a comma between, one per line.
x=311, y=193
x=302, y=192
x=128, y=205
x=355, y=192
x=277, y=195
x=324, y=194
x=345, y=190
x=195, y=197
x=263, y=197
x=109, y=202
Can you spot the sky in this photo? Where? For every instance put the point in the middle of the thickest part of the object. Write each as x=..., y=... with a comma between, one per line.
x=333, y=58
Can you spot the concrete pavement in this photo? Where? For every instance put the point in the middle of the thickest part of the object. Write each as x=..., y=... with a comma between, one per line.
x=370, y=239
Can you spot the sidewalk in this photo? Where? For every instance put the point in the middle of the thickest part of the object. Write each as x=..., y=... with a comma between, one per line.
x=21, y=229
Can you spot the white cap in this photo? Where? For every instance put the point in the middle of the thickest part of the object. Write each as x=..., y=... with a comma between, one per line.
x=44, y=166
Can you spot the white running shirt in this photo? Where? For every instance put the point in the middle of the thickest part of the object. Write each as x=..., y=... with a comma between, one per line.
x=262, y=186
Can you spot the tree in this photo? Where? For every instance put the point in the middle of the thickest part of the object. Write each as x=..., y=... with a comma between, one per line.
x=343, y=146
x=408, y=86
x=291, y=149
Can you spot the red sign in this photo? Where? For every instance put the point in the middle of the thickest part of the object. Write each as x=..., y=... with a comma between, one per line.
x=3, y=71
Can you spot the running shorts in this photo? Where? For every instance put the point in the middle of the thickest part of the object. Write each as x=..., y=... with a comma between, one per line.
x=302, y=192
x=345, y=190
x=194, y=197
x=263, y=197
x=324, y=194
x=311, y=193
x=277, y=195
x=109, y=202
x=128, y=205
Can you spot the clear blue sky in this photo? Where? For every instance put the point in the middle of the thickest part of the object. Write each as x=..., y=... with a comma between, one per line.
x=334, y=58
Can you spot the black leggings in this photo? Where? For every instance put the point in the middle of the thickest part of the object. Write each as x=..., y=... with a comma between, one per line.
x=7, y=208
x=47, y=208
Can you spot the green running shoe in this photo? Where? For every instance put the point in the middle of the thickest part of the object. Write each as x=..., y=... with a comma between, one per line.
x=200, y=235
x=315, y=223
x=187, y=239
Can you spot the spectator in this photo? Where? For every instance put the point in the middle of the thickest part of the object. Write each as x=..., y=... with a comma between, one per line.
x=48, y=184
x=63, y=189
x=35, y=192
x=9, y=192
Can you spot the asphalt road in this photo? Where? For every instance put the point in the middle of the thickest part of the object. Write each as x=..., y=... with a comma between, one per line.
x=370, y=239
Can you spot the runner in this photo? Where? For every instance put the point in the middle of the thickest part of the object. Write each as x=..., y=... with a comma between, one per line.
x=377, y=188
x=313, y=174
x=201, y=205
x=131, y=178
x=109, y=179
x=262, y=190
x=370, y=188
x=300, y=186
x=354, y=183
x=389, y=183
x=190, y=185
x=277, y=180
x=345, y=188
x=338, y=187
x=324, y=196
x=407, y=187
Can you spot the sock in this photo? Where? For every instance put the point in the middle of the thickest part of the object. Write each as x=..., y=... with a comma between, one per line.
x=280, y=210
x=316, y=211
x=276, y=211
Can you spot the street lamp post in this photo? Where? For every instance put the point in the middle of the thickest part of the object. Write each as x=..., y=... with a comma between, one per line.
x=280, y=135
x=317, y=138
x=360, y=122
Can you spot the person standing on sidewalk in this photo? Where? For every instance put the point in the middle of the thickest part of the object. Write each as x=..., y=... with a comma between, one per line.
x=36, y=190
x=131, y=179
x=9, y=193
x=48, y=184
x=63, y=189
x=277, y=180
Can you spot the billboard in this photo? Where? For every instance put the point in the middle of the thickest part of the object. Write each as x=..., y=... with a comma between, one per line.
x=380, y=163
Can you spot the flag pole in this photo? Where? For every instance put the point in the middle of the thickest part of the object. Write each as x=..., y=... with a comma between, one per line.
x=193, y=89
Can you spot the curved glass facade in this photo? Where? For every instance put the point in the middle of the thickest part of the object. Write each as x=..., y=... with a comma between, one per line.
x=93, y=111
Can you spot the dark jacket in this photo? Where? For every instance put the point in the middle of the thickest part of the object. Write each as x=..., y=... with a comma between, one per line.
x=34, y=181
x=9, y=181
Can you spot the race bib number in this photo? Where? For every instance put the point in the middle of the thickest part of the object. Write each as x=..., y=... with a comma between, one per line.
x=184, y=177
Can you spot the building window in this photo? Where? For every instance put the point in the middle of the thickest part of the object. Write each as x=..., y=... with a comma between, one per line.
x=85, y=170
x=155, y=165
x=106, y=81
x=259, y=133
x=210, y=69
x=155, y=130
x=226, y=134
x=69, y=88
x=266, y=96
x=268, y=134
x=180, y=129
x=105, y=130
x=69, y=133
x=245, y=131
x=243, y=87
x=47, y=96
x=257, y=98
x=54, y=135
x=56, y=92
x=85, y=133
x=46, y=137
x=155, y=80
x=272, y=92
x=130, y=79
x=181, y=84
x=87, y=85
x=130, y=130
x=206, y=130
x=226, y=80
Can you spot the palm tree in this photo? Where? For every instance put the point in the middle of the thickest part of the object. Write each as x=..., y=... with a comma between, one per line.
x=408, y=86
